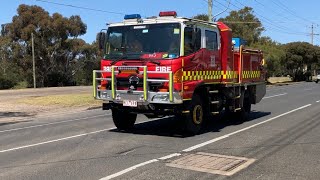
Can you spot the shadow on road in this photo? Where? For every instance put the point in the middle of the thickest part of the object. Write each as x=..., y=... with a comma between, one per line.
x=173, y=127
x=15, y=114
x=4, y=115
x=9, y=123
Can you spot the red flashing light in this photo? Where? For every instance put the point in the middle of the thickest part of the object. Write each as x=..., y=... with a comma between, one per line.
x=168, y=13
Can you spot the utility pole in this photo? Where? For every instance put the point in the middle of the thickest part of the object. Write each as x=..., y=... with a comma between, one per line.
x=312, y=34
x=312, y=42
x=210, y=10
x=33, y=63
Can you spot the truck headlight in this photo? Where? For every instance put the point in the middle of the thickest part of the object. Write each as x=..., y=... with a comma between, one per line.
x=105, y=95
x=161, y=97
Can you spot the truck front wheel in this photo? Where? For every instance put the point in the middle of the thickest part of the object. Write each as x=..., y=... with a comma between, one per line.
x=195, y=117
x=123, y=120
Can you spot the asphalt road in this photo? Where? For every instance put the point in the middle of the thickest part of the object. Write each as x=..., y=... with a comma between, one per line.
x=282, y=136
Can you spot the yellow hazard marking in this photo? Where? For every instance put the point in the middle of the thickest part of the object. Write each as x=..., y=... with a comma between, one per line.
x=216, y=75
x=251, y=74
x=208, y=75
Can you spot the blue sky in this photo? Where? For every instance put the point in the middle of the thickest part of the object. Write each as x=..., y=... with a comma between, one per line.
x=284, y=20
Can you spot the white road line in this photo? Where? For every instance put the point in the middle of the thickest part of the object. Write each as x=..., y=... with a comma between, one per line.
x=308, y=89
x=318, y=101
x=55, y=140
x=69, y=137
x=139, y=165
x=170, y=156
x=275, y=96
x=128, y=169
x=199, y=145
x=276, y=89
x=47, y=124
x=241, y=130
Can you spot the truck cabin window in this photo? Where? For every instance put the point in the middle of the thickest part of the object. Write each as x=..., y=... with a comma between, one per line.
x=191, y=44
x=211, y=40
x=133, y=42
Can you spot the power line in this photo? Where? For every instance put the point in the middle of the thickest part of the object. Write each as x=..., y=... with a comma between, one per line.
x=277, y=28
x=281, y=5
x=79, y=7
x=284, y=32
x=256, y=22
x=272, y=23
x=312, y=34
x=280, y=28
x=317, y=39
x=213, y=4
x=272, y=9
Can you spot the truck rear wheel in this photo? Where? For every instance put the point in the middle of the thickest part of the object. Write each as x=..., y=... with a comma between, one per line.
x=123, y=120
x=195, y=117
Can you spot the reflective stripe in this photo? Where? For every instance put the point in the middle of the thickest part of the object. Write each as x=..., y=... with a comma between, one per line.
x=216, y=75
x=145, y=87
x=171, y=87
x=113, y=90
x=94, y=83
x=251, y=74
x=208, y=75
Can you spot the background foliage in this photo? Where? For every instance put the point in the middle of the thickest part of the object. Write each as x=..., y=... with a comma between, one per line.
x=63, y=58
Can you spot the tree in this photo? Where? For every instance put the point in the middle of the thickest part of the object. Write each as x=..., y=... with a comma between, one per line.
x=10, y=72
x=273, y=53
x=244, y=24
x=53, y=40
x=299, y=57
x=88, y=59
x=203, y=17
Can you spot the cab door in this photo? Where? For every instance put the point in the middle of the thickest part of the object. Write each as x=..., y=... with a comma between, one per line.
x=211, y=53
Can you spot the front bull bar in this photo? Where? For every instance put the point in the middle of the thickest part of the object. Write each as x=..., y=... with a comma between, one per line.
x=144, y=97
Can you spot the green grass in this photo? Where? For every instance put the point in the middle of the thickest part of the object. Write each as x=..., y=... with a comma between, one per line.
x=70, y=100
x=21, y=85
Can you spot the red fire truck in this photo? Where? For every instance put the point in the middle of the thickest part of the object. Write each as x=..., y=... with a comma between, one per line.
x=169, y=65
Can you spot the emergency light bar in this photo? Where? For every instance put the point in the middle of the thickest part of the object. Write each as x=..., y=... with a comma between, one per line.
x=132, y=16
x=168, y=13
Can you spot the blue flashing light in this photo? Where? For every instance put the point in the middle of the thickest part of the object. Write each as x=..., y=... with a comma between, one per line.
x=132, y=16
x=238, y=42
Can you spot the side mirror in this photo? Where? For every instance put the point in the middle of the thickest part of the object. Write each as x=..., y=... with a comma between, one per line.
x=101, y=38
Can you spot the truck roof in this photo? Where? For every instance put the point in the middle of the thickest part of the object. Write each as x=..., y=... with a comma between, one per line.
x=158, y=20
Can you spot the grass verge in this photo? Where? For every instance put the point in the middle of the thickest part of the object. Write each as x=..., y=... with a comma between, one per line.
x=69, y=100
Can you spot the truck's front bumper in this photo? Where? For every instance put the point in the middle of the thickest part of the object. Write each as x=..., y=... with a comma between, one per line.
x=144, y=97
x=139, y=97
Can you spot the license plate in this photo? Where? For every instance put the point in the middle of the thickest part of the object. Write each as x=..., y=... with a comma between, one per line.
x=130, y=103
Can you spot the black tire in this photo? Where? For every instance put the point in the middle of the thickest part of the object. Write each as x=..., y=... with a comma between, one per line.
x=194, y=119
x=317, y=81
x=247, y=105
x=123, y=120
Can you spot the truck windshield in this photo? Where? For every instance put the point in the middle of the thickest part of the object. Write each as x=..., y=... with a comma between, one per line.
x=152, y=41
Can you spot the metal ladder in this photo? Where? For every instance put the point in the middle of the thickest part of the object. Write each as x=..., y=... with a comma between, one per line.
x=213, y=102
x=237, y=104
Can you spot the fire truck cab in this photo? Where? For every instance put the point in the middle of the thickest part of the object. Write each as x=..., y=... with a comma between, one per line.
x=170, y=65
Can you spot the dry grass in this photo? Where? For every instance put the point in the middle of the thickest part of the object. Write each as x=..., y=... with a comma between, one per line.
x=70, y=100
